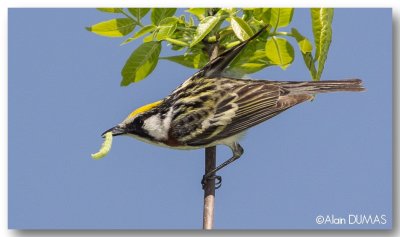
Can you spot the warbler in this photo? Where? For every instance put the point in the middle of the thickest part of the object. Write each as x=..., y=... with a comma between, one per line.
x=210, y=109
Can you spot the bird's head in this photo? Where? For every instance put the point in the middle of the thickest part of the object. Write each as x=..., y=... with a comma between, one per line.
x=135, y=123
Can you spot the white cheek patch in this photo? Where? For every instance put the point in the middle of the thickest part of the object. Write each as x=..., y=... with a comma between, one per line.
x=157, y=127
x=153, y=125
x=167, y=120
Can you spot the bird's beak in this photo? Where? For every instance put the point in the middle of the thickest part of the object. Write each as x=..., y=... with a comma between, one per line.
x=117, y=130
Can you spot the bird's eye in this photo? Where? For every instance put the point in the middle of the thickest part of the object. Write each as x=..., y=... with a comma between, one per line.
x=139, y=122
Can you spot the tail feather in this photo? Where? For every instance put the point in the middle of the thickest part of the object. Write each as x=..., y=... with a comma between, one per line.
x=315, y=87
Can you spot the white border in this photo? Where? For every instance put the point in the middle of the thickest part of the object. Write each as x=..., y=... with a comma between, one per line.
x=5, y=4
x=202, y=3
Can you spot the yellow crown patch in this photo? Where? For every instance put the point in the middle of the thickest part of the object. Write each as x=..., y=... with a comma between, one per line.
x=144, y=109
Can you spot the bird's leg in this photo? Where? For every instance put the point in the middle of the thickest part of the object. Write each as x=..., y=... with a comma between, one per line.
x=237, y=151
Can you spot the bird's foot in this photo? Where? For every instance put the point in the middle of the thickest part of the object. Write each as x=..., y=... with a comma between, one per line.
x=217, y=178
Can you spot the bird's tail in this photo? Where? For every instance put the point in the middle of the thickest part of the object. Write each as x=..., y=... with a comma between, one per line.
x=315, y=87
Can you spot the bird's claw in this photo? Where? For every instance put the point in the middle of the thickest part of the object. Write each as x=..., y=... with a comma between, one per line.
x=217, y=178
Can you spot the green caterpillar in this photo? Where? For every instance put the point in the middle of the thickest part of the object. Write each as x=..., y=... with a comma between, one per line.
x=105, y=147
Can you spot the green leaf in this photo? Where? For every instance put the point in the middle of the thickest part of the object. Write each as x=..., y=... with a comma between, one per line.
x=251, y=59
x=229, y=11
x=166, y=28
x=176, y=47
x=242, y=30
x=198, y=12
x=127, y=41
x=110, y=10
x=321, y=20
x=139, y=13
x=304, y=44
x=196, y=61
x=141, y=62
x=113, y=28
x=144, y=30
x=182, y=19
x=322, y=29
x=226, y=37
x=139, y=33
x=306, y=51
x=247, y=14
x=149, y=38
x=279, y=51
x=261, y=14
x=205, y=27
x=280, y=17
x=191, y=21
x=160, y=13
x=232, y=44
x=177, y=42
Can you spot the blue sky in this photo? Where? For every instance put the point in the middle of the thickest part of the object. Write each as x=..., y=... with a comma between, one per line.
x=332, y=156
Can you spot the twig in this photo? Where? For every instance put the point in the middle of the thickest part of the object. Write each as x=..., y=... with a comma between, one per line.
x=209, y=190
x=210, y=164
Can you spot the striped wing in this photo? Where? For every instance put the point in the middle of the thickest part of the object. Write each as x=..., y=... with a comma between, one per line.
x=247, y=104
x=245, y=107
x=250, y=115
